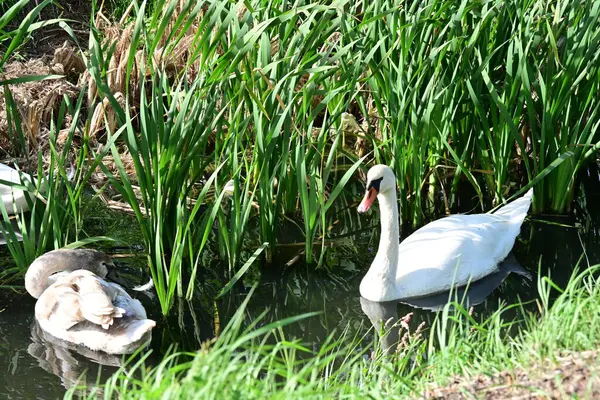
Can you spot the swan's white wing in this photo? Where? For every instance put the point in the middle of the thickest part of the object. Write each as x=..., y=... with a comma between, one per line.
x=452, y=251
x=10, y=195
x=10, y=175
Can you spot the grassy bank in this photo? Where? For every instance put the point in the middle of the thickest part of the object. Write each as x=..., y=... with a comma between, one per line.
x=257, y=361
x=288, y=101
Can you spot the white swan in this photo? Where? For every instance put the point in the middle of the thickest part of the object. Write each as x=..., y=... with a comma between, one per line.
x=77, y=305
x=448, y=252
x=14, y=199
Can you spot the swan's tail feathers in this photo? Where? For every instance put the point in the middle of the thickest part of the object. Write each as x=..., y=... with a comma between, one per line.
x=517, y=210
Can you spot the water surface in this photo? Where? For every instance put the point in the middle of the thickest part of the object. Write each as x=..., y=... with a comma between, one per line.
x=34, y=366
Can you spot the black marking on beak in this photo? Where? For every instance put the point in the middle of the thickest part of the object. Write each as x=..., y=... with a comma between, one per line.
x=374, y=184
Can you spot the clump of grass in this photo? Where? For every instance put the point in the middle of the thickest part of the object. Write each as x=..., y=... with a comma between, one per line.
x=202, y=135
x=169, y=156
x=55, y=196
x=466, y=88
x=255, y=93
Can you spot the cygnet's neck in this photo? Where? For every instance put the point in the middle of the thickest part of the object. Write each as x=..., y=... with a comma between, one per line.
x=37, y=277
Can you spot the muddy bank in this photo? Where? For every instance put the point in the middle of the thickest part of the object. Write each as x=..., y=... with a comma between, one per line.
x=570, y=375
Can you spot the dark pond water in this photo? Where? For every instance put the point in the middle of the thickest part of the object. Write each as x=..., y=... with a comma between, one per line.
x=35, y=366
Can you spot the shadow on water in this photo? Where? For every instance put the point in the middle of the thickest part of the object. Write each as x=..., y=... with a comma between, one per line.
x=35, y=366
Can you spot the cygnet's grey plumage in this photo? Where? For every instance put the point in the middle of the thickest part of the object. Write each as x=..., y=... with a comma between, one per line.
x=76, y=304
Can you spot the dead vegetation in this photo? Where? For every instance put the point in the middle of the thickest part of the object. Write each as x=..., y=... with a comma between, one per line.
x=573, y=375
x=175, y=53
x=37, y=102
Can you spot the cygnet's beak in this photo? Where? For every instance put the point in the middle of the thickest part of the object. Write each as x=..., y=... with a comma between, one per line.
x=368, y=200
x=114, y=276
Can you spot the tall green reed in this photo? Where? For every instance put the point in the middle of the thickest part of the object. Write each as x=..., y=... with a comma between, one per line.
x=448, y=92
x=56, y=198
x=485, y=90
x=168, y=142
x=247, y=128
x=292, y=154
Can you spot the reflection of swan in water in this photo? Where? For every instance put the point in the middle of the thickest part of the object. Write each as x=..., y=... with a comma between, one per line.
x=384, y=318
x=69, y=361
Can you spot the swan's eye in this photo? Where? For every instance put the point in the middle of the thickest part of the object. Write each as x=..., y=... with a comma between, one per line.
x=75, y=287
x=375, y=184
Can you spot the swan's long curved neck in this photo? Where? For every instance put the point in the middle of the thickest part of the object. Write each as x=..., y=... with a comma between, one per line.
x=385, y=264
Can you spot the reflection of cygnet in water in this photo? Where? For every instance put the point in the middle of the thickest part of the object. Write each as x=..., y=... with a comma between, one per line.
x=384, y=318
x=68, y=361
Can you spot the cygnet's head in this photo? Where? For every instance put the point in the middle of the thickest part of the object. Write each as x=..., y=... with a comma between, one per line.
x=380, y=180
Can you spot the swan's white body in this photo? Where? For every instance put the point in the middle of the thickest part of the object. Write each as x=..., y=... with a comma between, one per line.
x=451, y=251
x=76, y=304
x=13, y=199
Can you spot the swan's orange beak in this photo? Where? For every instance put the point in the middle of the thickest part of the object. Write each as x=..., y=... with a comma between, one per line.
x=368, y=200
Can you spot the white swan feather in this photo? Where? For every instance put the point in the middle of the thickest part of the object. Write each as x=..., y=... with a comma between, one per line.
x=451, y=251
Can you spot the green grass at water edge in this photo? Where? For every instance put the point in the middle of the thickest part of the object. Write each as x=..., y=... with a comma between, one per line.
x=243, y=362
